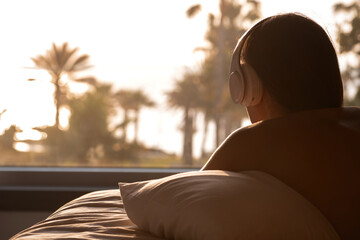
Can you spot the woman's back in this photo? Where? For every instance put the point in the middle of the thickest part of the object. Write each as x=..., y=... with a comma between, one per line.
x=317, y=153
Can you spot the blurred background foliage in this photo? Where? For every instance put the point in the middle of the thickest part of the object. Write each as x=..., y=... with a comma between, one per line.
x=94, y=138
x=348, y=36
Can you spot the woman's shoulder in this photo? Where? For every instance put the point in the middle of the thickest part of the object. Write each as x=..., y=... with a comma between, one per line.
x=311, y=120
x=322, y=134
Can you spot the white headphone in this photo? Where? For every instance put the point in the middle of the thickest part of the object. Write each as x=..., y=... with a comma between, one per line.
x=244, y=83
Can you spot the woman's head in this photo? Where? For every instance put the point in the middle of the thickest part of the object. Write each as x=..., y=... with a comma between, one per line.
x=295, y=61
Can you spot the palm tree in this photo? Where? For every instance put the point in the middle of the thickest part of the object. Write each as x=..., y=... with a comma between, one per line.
x=132, y=100
x=7, y=139
x=348, y=34
x=88, y=123
x=123, y=98
x=222, y=34
x=60, y=60
x=140, y=100
x=186, y=95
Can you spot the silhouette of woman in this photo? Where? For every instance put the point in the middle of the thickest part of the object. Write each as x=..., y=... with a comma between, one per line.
x=285, y=71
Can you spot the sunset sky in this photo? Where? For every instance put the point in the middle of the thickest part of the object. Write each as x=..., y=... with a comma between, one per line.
x=133, y=44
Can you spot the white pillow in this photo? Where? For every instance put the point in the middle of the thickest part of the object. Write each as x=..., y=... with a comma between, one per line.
x=223, y=205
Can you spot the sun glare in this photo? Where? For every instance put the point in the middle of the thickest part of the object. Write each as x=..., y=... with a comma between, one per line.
x=22, y=147
x=64, y=118
x=30, y=134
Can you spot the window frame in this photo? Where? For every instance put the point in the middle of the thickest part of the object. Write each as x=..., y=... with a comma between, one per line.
x=48, y=188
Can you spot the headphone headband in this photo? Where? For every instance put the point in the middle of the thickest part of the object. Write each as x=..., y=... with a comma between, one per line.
x=237, y=51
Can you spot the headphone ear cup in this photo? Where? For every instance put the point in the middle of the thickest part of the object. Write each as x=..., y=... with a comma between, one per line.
x=254, y=90
x=236, y=86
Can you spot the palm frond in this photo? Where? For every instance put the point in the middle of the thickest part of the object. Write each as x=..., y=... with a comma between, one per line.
x=63, y=57
x=68, y=55
x=79, y=63
x=339, y=7
x=57, y=57
x=2, y=112
x=89, y=80
x=44, y=63
x=193, y=10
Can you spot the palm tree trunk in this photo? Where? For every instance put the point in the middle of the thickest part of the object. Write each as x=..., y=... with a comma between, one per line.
x=126, y=120
x=187, y=145
x=217, y=130
x=203, y=142
x=228, y=125
x=57, y=101
x=219, y=83
x=136, y=129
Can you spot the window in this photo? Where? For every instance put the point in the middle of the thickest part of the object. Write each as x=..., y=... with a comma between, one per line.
x=97, y=92
x=131, y=83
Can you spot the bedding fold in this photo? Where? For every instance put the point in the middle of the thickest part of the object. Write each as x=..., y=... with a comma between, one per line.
x=96, y=215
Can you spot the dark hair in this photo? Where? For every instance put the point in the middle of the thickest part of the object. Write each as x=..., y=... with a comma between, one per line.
x=296, y=62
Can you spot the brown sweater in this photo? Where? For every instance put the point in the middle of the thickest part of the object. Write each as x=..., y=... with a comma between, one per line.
x=317, y=153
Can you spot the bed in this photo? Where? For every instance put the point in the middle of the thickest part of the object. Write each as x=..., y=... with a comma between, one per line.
x=96, y=215
x=194, y=205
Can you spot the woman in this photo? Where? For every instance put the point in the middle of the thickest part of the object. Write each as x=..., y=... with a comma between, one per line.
x=285, y=71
